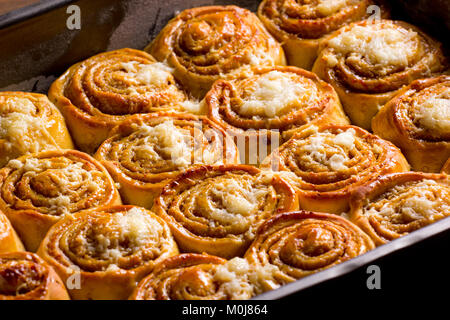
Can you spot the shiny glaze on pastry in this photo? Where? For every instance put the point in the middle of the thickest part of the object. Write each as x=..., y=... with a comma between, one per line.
x=216, y=209
x=208, y=43
x=109, y=249
x=38, y=189
x=397, y=204
x=417, y=120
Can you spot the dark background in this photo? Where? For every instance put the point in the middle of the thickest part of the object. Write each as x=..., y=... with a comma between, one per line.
x=34, y=51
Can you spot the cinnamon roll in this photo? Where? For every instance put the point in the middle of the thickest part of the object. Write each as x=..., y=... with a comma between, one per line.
x=145, y=152
x=367, y=63
x=29, y=122
x=397, y=204
x=103, y=253
x=417, y=120
x=264, y=109
x=328, y=163
x=25, y=276
x=298, y=244
x=202, y=277
x=216, y=209
x=208, y=43
x=9, y=241
x=301, y=25
x=38, y=189
x=96, y=94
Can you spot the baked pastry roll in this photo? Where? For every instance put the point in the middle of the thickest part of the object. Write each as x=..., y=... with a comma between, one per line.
x=38, y=189
x=145, y=152
x=96, y=94
x=264, y=109
x=107, y=250
x=25, y=276
x=193, y=276
x=29, y=122
x=208, y=43
x=327, y=164
x=298, y=244
x=9, y=241
x=446, y=167
x=397, y=204
x=301, y=25
x=217, y=209
x=417, y=120
x=368, y=62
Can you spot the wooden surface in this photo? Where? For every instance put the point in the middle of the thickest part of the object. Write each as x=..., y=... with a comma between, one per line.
x=9, y=5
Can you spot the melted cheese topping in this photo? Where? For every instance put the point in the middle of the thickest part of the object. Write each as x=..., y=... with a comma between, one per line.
x=241, y=281
x=423, y=200
x=272, y=93
x=63, y=180
x=139, y=227
x=380, y=44
x=156, y=74
x=16, y=104
x=166, y=141
x=182, y=147
x=328, y=7
x=135, y=227
x=21, y=128
x=322, y=144
x=434, y=114
x=239, y=201
x=195, y=107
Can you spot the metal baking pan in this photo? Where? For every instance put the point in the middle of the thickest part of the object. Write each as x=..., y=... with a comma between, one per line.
x=37, y=46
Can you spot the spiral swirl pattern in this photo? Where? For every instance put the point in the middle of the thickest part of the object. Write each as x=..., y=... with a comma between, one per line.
x=253, y=106
x=38, y=189
x=368, y=62
x=417, y=120
x=398, y=204
x=102, y=91
x=207, y=43
x=299, y=244
x=113, y=248
x=147, y=151
x=326, y=164
x=217, y=209
x=201, y=277
x=29, y=122
x=25, y=276
x=300, y=25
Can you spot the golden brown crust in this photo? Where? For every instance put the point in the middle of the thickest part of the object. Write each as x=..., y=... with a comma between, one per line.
x=203, y=277
x=110, y=249
x=397, y=204
x=145, y=152
x=301, y=25
x=25, y=276
x=98, y=93
x=207, y=43
x=272, y=104
x=368, y=62
x=38, y=189
x=327, y=164
x=9, y=240
x=301, y=243
x=180, y=278
x=417, y=121
x=29, y=122
x=216, y=209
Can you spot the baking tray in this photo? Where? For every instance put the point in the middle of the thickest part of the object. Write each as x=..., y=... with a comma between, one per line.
x=36, y=47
